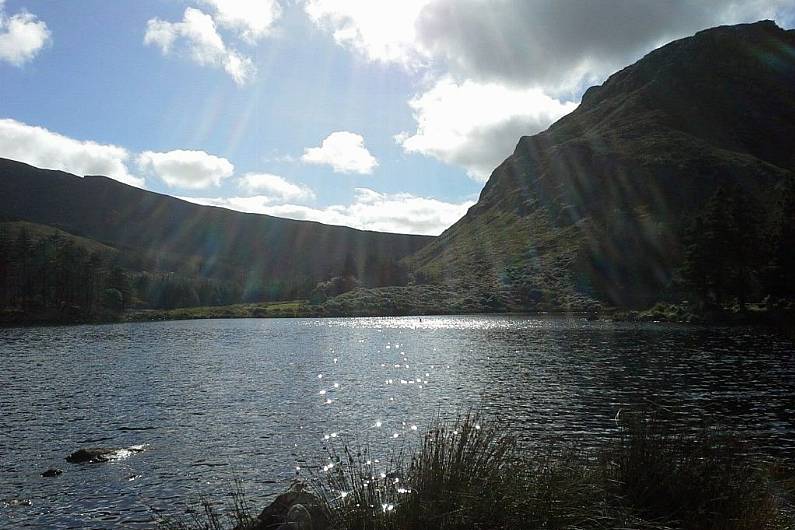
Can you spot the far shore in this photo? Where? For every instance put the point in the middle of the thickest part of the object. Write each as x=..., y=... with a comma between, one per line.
x=755, y=315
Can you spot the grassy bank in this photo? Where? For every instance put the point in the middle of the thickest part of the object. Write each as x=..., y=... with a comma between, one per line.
x=294, y=308
x=466, y=475
x=382, y=301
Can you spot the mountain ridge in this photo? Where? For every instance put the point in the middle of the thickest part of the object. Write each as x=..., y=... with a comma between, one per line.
x=595, y=205
x=272, y=257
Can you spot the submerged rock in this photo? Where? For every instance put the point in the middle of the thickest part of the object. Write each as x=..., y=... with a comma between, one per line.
x=16, y=503
x=294, y=509
x=52, y=472
x=90, y=455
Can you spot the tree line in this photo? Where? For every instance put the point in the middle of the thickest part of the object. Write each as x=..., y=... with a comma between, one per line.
x=53, y=277
x=59, y=277
x=39, y=274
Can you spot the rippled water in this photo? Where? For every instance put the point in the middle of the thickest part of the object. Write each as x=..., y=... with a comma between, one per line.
x=253, y=399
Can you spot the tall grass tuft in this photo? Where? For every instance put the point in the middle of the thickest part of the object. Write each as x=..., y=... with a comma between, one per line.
x=471, y=474
x=688, y=480
x=459, y=477
x=236, y=514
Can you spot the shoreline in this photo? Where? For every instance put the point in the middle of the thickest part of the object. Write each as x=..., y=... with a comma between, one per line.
x=670, y=314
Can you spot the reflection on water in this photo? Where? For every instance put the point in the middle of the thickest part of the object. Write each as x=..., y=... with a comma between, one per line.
x=258, y=399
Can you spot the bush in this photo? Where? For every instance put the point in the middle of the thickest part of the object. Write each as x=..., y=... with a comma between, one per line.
x=112, y=299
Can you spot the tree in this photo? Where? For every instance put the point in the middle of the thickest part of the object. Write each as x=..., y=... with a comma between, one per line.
x=118, y=280
x=112, y=299
x=724, y=250
x=782, y=281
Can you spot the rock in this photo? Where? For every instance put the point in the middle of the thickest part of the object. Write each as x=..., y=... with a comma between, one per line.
x=52, y=472
x=294, y=509
x=299, y=518
x=90, y=455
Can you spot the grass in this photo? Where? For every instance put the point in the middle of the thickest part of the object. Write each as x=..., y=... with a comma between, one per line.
x=469, y=474
x=236, y=514
x=294, y=308
x=689, y=482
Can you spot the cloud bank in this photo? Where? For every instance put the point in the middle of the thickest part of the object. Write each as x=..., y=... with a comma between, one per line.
x=42, y=148
x=370, y=210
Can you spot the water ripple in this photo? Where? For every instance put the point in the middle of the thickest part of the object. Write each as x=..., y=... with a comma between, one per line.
x=258, y=399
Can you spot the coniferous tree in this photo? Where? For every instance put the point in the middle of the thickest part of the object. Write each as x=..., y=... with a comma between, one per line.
x=118, y=280
x=724, y=251
x=782, y=284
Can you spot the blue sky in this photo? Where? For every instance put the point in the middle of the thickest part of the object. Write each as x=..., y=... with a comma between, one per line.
x=380, y=115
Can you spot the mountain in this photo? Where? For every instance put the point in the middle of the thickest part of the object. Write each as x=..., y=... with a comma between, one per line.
x=596, y=207
x=265, y=257
x=673, y=180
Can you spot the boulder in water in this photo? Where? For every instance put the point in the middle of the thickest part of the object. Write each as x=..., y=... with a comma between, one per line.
x=52, y=472
x=90, y=455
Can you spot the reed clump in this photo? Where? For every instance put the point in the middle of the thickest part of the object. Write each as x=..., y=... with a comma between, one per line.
x=472, y=474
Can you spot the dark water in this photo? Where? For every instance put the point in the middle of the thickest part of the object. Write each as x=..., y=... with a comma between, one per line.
x=253, y=399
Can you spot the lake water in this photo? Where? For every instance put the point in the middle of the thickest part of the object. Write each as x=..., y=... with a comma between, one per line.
x=252, y=399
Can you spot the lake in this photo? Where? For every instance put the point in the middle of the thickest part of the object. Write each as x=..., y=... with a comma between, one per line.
x=219, y=400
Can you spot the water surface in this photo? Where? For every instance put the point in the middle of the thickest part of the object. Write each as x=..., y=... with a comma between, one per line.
x=254, y=399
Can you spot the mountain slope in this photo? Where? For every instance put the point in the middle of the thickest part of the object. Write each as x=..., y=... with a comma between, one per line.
x=595, y=205
x=270, y=257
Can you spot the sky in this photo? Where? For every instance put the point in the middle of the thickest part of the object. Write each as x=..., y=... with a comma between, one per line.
x=384, y=115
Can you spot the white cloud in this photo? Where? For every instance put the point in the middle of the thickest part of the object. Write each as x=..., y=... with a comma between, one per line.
x=275, y=187
x=197, y=35
x=22, y=37
x=251, y=19
x=42, y=148
x=344, y=152
x=476, y=125
x=370, y=210
x=380, y=31
x=186, y=169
